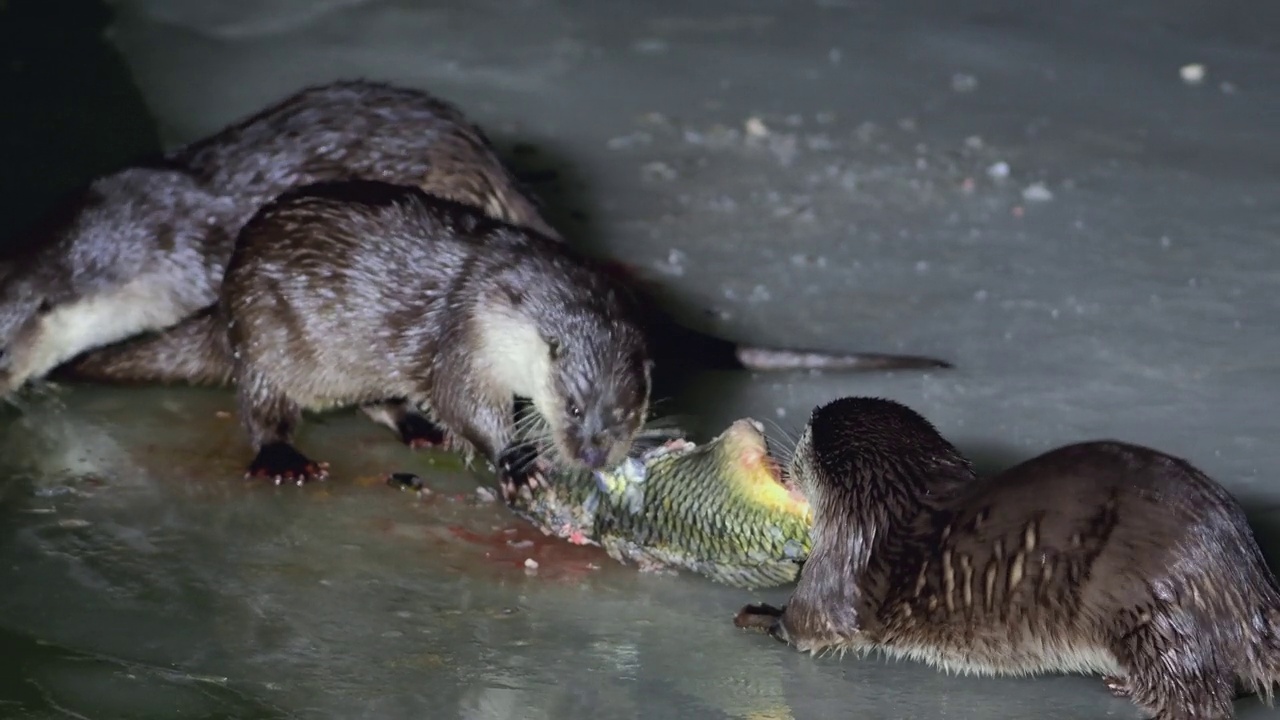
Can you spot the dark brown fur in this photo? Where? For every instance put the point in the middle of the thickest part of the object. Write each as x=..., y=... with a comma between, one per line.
x=1097, y=557
x=358, y=292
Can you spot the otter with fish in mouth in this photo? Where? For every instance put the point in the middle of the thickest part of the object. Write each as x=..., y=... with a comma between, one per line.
x=1098, y=557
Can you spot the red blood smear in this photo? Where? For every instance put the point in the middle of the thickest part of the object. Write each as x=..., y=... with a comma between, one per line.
x=557, y=559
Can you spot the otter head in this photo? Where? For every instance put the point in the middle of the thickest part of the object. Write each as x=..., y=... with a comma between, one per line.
x=61, y=295
x=598, y=393
x=874, y=457
x=26, y=301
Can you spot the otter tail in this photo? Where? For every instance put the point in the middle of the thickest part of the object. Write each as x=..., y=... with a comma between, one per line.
x=192, y=352
x=675, y=342
x=772, y=359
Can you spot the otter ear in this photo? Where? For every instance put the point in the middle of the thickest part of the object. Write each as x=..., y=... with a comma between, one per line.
x=554, y=347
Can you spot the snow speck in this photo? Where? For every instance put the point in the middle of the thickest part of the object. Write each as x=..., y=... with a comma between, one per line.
x=674, y=264
x=1037, y=192
x=964, y=83
x=657, y=171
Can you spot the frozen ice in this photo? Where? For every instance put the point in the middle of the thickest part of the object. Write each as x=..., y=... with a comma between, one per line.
x=820, y=182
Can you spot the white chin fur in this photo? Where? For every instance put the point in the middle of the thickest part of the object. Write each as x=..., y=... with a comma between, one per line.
x=517, y=357
x=92, y=322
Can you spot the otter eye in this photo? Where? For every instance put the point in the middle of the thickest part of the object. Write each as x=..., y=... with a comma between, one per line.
x=45, y=307
x=574, y=410
x=554, y=347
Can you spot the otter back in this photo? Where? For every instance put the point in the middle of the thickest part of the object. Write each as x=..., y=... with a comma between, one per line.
x=357, y=292
x=145, y=248
x=1098, y=557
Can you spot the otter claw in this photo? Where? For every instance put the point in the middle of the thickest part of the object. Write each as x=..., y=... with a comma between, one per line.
x=280, y=462
x=1117, y=685
x=522, y=472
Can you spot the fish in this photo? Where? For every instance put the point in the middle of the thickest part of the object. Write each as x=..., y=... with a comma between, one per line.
x=721, y=509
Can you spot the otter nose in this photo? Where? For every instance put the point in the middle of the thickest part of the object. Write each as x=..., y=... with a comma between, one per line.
x=595, y=451
x=593, y=456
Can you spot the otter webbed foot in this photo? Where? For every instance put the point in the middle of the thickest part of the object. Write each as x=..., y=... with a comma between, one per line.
x=280, y=462
x=762, y=618
x=418, y=432
x=521, y=472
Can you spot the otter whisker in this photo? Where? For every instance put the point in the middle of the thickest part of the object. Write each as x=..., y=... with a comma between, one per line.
x=791, y=434
x=531, y=422
x=782, y=444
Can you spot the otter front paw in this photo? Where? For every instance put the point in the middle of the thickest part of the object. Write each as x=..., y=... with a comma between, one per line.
x=521, y=472
x=419, y=433
x=1117, y=685
x=280, y=462
x=762, y=618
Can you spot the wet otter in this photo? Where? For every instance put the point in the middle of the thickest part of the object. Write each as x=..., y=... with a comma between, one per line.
x=354, y=292
x=142, y=249
x=1097, y=557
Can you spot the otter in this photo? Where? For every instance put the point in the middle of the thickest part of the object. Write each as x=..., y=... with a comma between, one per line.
x=118, y=284
x=141, y=253
x=1097, y=557
x=356, y=291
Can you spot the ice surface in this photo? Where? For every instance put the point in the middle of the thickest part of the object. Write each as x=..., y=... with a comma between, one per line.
x=1036, y=194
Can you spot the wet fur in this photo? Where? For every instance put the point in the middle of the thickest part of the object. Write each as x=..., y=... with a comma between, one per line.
x=360, y=292
x=137, y=258
x=1098, y=557
x=341, y=130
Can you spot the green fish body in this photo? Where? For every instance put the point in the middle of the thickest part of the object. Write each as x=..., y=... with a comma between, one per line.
x=718, y=509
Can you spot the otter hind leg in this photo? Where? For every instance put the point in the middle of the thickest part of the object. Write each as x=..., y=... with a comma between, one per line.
x=1174, y=675
x=413, y=427
x=271, y=418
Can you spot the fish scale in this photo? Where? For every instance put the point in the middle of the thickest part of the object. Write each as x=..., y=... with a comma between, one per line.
x=716, y=509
